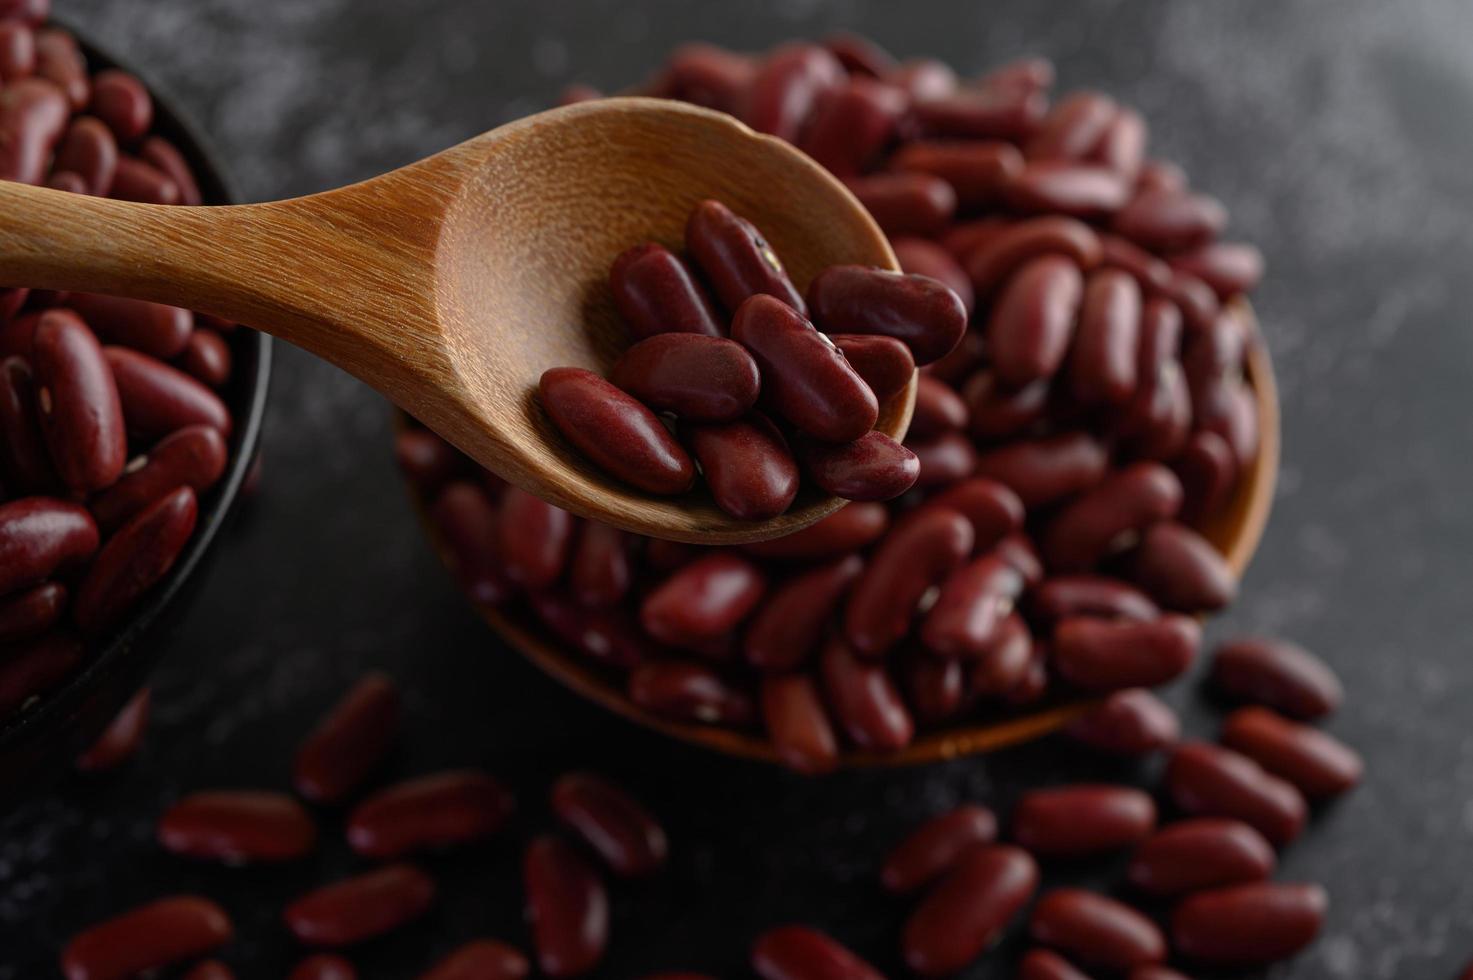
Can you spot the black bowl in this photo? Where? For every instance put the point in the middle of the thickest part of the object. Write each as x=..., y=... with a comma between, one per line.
x=43, y=739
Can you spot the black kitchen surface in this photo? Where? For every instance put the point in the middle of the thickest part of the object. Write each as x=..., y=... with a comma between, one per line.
x=1337, y=132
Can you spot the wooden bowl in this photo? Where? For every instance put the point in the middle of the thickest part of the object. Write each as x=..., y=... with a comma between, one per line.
x=1235, y=531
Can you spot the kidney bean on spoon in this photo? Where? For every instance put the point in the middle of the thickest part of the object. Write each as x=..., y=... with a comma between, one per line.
x=737, y=260
x=918, y=310
x=884, y=363
x=700, y=379
x=872, y=467
x=747, y=465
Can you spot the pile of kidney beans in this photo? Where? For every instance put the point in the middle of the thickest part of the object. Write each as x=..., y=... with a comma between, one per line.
x=110, y=425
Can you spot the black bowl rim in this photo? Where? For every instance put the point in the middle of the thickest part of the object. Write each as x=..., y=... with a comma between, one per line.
x=217, y=188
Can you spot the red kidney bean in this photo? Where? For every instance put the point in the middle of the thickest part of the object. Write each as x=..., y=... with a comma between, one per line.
x=36, y=668
x=991, y=508
x=918, y=310
x=1182, y=570
x=90, y=150
x=1103, y=363
x=786, y=629
x=975, y=599
x=737, y=260
x=426, y=460
x=704, y=600
x=1155, y=423
x=1208, y=470
x=1215, y=352
x=883, y=363
x=918, y=554
x=616, y=432
x=1041, y=964
x=1082, y=820
x=703, y=379
x=944, y=460
x=207, y=358
x=1193, y=855
x=134, y=180
x=467, y=524
x=920, y=257
x=1005, y=664
x=121, y=738
x=1073, y=127
x=17, y=51
x=65, y=180
x=359, y=908
x=60, y=62
x=690, y=692
x=968, y=909
x=1044, y=471
x=1033, y=74
x=1125, y=502
x=567, y=907
x=993, y=263
x=158, y=934
x=798, y=724
x=1317, y=763
x=533, y=538
x=980, y=113
x=24, y=460
x=134, y=559
x=11, y=300
x=210, y=970
x=1122, y=148
x=1169, y=220
x=120, y=100
x=1090, y=595
x=1033, y=685
x=600, y=572
x=936, y=846
x=429, y=812
x=237, y=827
x=860, y=55
x=40, y=537
x=1033, y=320
x=80, y=411
x=706, y=75
x=159, y=399
x=323, y=966
x=997, y=411
x=607, y=635
x=976, y=171
x=747, y=466
x=864, y=699
x=194, y=456
x=166, y=158
x=481, y=959
x=849, y=529
x=938, y=410
x=33, y=113
x=1058, y=187
x=1095, y=930
x=783, y=91
x=1232, y=412
x=801, y=953
x=906, y=203
x=805, y=378
x=1148, y=270
x=1277, y=673
x=1108, y=655
x=1127, y=723
x=656, y=292
x=1248, y=924
x=1229, y=268
x=937, y=688
x=851, y=124
x=349, y=741
x=1208, y=780
x=872, y=467
x=618, y=828
x=1018, y=549
x=1197, y=300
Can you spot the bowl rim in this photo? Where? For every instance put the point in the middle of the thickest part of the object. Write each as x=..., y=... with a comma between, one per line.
x=218, y=188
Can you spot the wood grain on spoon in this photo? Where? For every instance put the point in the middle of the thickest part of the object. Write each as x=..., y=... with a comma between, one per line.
x=450, y=285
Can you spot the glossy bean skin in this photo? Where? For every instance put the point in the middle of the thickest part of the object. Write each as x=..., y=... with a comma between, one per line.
x=1199, y=854
x=918, y=310
x=851, y=124
x=134, y=180
x=1126, y=501
x=703, y=600
x=706, y=75
x=992, y=263
x=1122, y=148
x=992, y=509
x=785, y=87
x=859, y=55
x=430, y=812
x=1098, y=596
x=60, y=62
x=481, y=959
x=1317, y=763
x=1156, y=422
x=872, y=467
x=615, y=431
x=1229, y=268
x=689, y=692
x=166, y=158
x=17, y=50
x=90, y=150
x=1245, y=925
x=968, y=614
x=1063, y=187
x=798, y=724
x=884, y=363
x=194, y=456
x=801, y=953
x=1073, y=127
x=150, y=328
x=1110, y=655
x=997, y=411
x=40, y=537
x=703, y=379
x=81, y=413
x=656, y=293
x=787, y=627
x=609, y=635
x=1277, y=673
x=737, y=260
x=134, y=559
x=1170, y=221
x=618, y=827
x=1182, y=570
x=920, y=257
x=1002, y=666
x=1033, y=320
x=567, y=908
x=600, y=572
x=1148, y=269
x=349, y=741
x=1081, y=820
x=533, y=538
x=120, y=100
x=35, y=668
x=977, y=172
x=938, y=410
x=323, y=966
x=1018, y=548
x=1132, y=722
x=356, y=909
x=207, y=358
x=25, y=462
x=936, y=688
x=1208, y=471
x=1208, y=780
x=1043, y=964
x=968, y=909
x=980, y=113
x=1103, y=364
x=466, y=520
x=159, y=399
x=805, y=378
x=916, y=555
x=1096, y=930
x=905, y=203
x=122, y=736
x=865, y=701
x=33, y=114
x=747, y=466
x=936, y=845
x=237, y=827
x=848, y=529
x=1044, y=471
x=161, y=933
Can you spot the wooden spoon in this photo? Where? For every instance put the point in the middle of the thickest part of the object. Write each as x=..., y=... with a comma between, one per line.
x=450, y=285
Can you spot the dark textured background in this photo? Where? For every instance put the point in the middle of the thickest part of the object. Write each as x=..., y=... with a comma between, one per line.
x=1338, y=133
